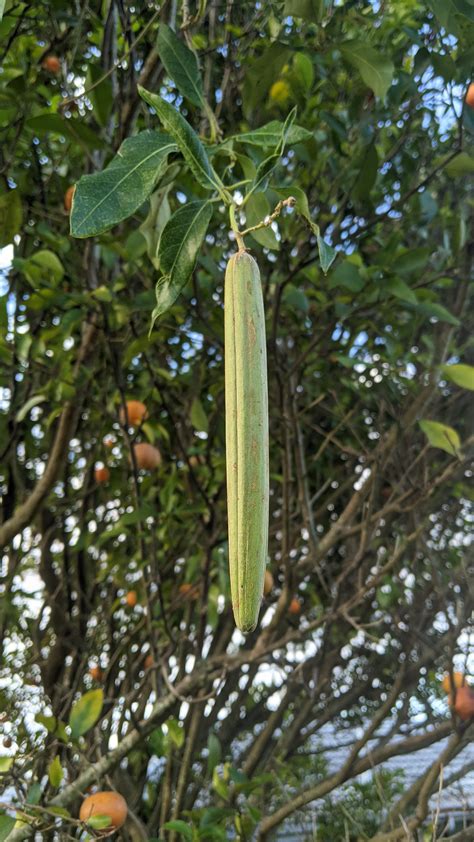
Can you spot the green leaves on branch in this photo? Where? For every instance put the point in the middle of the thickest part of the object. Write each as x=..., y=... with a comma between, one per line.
x=85, y=712
x=461, y=375
x=179, y=244
x=7, y=823
x=376, y=69
x=270, y=135
x=187, y=140
x=441, y=436
x=106, y=198
x=55, y=772
x=181, y=65
x=311, y=10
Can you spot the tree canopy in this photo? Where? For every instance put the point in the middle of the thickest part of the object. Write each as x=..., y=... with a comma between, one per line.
x=339, y=133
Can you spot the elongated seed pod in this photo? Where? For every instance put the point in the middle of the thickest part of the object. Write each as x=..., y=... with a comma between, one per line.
x=246, y=402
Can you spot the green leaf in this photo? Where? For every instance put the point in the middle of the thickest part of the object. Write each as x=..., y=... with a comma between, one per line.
x=179, y=244
x=55, y=772
x=448, y=11
x=376, y=69
x=295, y=298
x=367, y=174
x=441, y=436
x=270, y=135
x=256, y=209
x=72, y=128
x=219, y=785
x=180, y=827
x=44, y=266
x=156, y=220
x=2, y=8
x=7, y=823
x=85, y=712
x=5, y=764
x=303, y=71
x=214, y=752
x=262, y=175
x=462, y=375
x=346, y=275
x=198, y=416
x=99, y=821
x=175, y=732
x=411, y=261
x=433, y=310
x=400, y=290
x=327, y=254
x=34, y=794
x=181, y=65
x=311, y=10
x=187, y=140
x=462, y=164
x=103, y=199
x=100, y=95
x=11, y=216
x=48, y=722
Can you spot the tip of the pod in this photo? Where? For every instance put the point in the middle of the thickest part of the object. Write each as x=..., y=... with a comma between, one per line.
x=246, y=626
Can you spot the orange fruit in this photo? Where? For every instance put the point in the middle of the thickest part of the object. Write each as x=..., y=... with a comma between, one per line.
x=459, y=680
x=294, y=606
x=108, y=442
x=96, y=673
x=463, y=702
x=189, y=591
x=51, y=64
x=147, y=456
x=280, y=92
x=136, y=413
x=110, y=804
x=268, y=583
x=470, y=95
x=149, y=662
x=131, y=599
x=101, y=475
x=196, y=461
x=68, y=198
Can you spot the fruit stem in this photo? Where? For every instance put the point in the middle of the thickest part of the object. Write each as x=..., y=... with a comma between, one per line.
x=235, y=228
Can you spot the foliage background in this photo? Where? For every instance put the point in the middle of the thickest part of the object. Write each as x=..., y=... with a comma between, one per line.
x=370, y=512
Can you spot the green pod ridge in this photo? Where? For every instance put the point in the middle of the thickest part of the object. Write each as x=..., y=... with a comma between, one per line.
x=247, y=459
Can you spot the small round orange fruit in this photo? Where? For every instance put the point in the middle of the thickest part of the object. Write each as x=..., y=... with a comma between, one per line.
x=149, y=662
x=101, y=475
x=136, y=413
x=470, y=95
x=68, y=198
x=189, y=591
x=196, y=460
x=131, y=599
x=268, y=583
x=463, y=702
x=110, y=804
x=294, y=606
x=458, y=680
x=96, y=673
x=147, y=456
x=51, y=64
x=108, y=442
